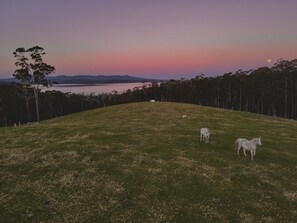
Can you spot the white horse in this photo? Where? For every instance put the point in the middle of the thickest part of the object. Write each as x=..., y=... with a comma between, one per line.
x=251, y=145
x=204, y=135
x=238, y=144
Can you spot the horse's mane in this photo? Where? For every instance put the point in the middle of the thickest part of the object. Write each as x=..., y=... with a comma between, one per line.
x=254, y=139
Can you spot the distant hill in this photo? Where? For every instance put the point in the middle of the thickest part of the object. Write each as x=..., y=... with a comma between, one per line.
x=7, y=81
x=90, y=79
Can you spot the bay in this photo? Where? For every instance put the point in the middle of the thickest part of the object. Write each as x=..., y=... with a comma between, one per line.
x=96, y=88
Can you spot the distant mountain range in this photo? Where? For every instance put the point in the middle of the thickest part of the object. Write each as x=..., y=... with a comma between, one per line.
x=90, y=79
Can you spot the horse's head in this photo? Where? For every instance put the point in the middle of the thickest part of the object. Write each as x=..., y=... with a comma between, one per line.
x=259, y=141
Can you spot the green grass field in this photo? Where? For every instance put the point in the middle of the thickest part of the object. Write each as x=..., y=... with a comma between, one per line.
x=142, y=162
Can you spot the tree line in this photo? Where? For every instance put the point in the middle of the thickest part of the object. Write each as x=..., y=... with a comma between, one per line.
x=15, y=108
x=267, y=90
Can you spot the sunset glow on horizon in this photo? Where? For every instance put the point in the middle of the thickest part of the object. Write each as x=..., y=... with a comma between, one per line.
x=158, y=39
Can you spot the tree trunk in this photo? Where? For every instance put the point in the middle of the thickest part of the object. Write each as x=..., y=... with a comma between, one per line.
x=218, y=97
x=262, y=104
x=273, y=98
x=28, y=111
x=292, y=108
x=240, y=97
x=286, y=97
x=295, y=99
x=37, y=104
x=230, y=97
x=273, y=110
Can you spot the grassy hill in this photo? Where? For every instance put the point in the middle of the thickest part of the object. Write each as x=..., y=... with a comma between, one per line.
x=142, y=162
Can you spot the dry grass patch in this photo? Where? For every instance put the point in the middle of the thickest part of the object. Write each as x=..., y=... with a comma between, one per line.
x=137, y=162
x=185, y=162
x=291, y=196
x=246, y=218
x=49, y=160
x=161, y=212
x=68, y=179
x=75, y=138
x=18, y=156
x=113, y=186
x=208, y=171
x=5, y=198
x=155, y=170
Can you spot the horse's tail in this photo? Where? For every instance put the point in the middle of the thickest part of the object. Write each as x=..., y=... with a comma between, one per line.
x=236, y=144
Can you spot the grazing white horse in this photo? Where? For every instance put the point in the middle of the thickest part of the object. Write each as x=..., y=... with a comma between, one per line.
x=204, y=135
x=238, y=143
x=251, y=145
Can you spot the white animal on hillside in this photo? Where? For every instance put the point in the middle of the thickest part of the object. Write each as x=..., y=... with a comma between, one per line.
x=204, y=135
x=238, y=143
x=251, y=145
x=184, y=116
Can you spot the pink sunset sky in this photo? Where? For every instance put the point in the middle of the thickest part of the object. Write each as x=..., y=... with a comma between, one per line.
x=156, y=38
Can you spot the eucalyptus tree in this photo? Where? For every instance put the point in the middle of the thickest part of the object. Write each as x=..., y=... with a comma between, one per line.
x=32, y=70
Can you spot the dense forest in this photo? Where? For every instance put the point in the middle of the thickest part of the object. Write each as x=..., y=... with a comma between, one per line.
x=266, y=90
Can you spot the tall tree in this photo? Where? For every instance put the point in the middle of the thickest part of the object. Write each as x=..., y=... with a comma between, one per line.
x=32, y=70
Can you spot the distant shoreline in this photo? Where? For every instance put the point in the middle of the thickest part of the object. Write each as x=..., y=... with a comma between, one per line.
x=93, y=88
x=90, y=79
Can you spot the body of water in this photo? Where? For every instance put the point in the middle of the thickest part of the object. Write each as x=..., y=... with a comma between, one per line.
x=96, y=88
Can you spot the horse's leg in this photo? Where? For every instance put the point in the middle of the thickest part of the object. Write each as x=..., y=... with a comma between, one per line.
x=252, y=154
x=238, y=148
x=244, y=151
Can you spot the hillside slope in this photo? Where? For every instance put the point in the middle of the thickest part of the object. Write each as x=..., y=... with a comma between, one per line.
x=143, y=162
